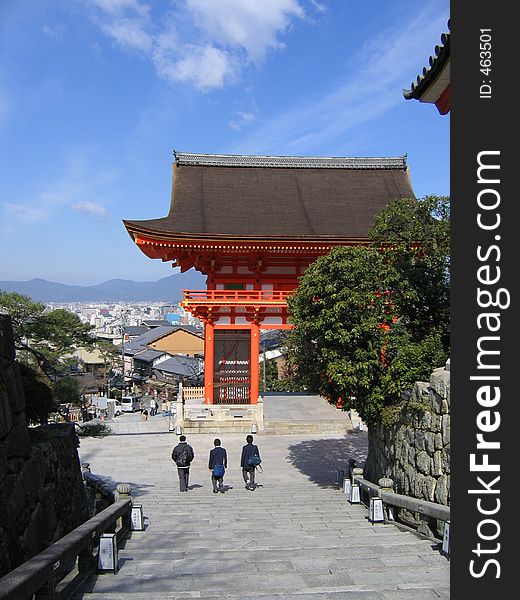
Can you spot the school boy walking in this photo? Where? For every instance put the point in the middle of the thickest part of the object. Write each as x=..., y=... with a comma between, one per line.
x=182, y=455
x=248, y=463
x=217, y=465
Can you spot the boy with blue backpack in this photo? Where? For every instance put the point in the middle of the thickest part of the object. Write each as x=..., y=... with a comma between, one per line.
x=217, y=465
x=249, y=460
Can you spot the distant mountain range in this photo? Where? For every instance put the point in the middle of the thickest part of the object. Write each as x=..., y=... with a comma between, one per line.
x=167, y=289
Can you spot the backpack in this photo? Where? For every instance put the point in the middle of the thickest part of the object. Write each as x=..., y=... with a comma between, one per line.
x=218, y=471
x=184, y=459
x=254, y=460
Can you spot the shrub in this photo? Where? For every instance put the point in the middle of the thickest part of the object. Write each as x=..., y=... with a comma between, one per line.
x=94, y=430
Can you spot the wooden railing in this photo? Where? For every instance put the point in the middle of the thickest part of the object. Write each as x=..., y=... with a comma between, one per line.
x=384, y=489
x=236, y=297
x=41, y=574
x=192, y=393
x=58, y=571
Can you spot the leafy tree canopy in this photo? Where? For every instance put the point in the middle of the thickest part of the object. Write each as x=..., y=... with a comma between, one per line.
x=370, y=322
x=43, y=337
x=39, y=399
x=67, y=390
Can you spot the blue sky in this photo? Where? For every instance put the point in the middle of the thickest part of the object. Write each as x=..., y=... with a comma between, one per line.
x=96, y=94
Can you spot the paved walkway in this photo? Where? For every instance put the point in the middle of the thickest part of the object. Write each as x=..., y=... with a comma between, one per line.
x=295, y=536
x=301, y=408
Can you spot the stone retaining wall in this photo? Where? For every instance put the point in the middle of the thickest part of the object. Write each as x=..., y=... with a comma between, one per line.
x=415, y=452
x=42, y=495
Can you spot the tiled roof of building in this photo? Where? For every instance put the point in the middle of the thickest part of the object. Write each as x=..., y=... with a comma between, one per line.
x=288, y=198
x=285, y=162
x=135, y=330
x=434, y=78
x=179, y=365
x=148, y=355
x=141, y=342
x=149, y=336
x=153, y=323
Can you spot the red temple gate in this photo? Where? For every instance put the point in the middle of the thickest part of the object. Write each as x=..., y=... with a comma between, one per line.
x=252, y=225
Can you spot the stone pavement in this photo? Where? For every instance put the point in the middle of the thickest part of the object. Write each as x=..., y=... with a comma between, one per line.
x=295, y=536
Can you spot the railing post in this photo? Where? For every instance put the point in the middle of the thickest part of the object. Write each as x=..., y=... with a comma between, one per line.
x=86, y=560
x=424, y=527
x=386, y=484
x=48, y=591
x=123, y=492
x=357, y=472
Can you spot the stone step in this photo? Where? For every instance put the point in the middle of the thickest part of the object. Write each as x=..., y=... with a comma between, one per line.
x=296, y=536
x=245, y=581
x=352, y=593
x=292, y=427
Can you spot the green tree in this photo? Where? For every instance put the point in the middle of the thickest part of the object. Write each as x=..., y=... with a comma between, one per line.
x=39, y=398
x=44, y=337
x=371, y=322
x=67, y=391
x=416, y=237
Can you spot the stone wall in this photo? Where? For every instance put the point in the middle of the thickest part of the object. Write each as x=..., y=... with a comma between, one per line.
x=415, y=452
x=42, y=495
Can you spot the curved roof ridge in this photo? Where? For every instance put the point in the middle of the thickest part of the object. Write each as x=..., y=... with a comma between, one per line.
x=302, y=162
x=435, y=65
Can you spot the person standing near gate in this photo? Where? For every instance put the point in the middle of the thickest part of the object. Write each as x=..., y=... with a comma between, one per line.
x=217, y=465
x=249, y=460
x=182, y=455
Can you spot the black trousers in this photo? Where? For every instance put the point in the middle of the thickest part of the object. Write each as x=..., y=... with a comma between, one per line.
x=249, y=476
x=184, y=475
x=217, y=481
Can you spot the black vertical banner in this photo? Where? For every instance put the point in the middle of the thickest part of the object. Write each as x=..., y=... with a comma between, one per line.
x=485, y=367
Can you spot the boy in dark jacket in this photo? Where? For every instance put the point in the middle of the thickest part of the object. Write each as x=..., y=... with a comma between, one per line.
x=217, y=459
x=182, y=455
x=248, y=471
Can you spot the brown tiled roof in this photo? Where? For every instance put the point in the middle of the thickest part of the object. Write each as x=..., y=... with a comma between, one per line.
x=266, y=197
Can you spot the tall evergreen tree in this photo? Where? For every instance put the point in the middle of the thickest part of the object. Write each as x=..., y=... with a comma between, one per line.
x=371, y=320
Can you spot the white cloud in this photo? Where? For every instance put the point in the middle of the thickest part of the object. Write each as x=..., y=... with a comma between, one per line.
x=22, y=212
x=373, y=87
x=319, y=6
x=90, y=208
x=246, y=24
x=129, y=33
x=205, y=43
x=55, y=31
x=242, y=119
x=66, y=192
x=115, y=7
x=205, y=67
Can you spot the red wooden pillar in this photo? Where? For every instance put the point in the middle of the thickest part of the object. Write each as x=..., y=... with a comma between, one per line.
x=254, y=368
x=209, y=362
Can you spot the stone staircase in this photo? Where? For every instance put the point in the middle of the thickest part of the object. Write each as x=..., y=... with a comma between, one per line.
x=295, y=536
x=292, y=427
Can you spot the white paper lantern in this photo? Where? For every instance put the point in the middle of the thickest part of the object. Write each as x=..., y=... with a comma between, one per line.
x=107, y=554
x=446, y=539
x=136, y=518
x=354, y=494
x=375, y=510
